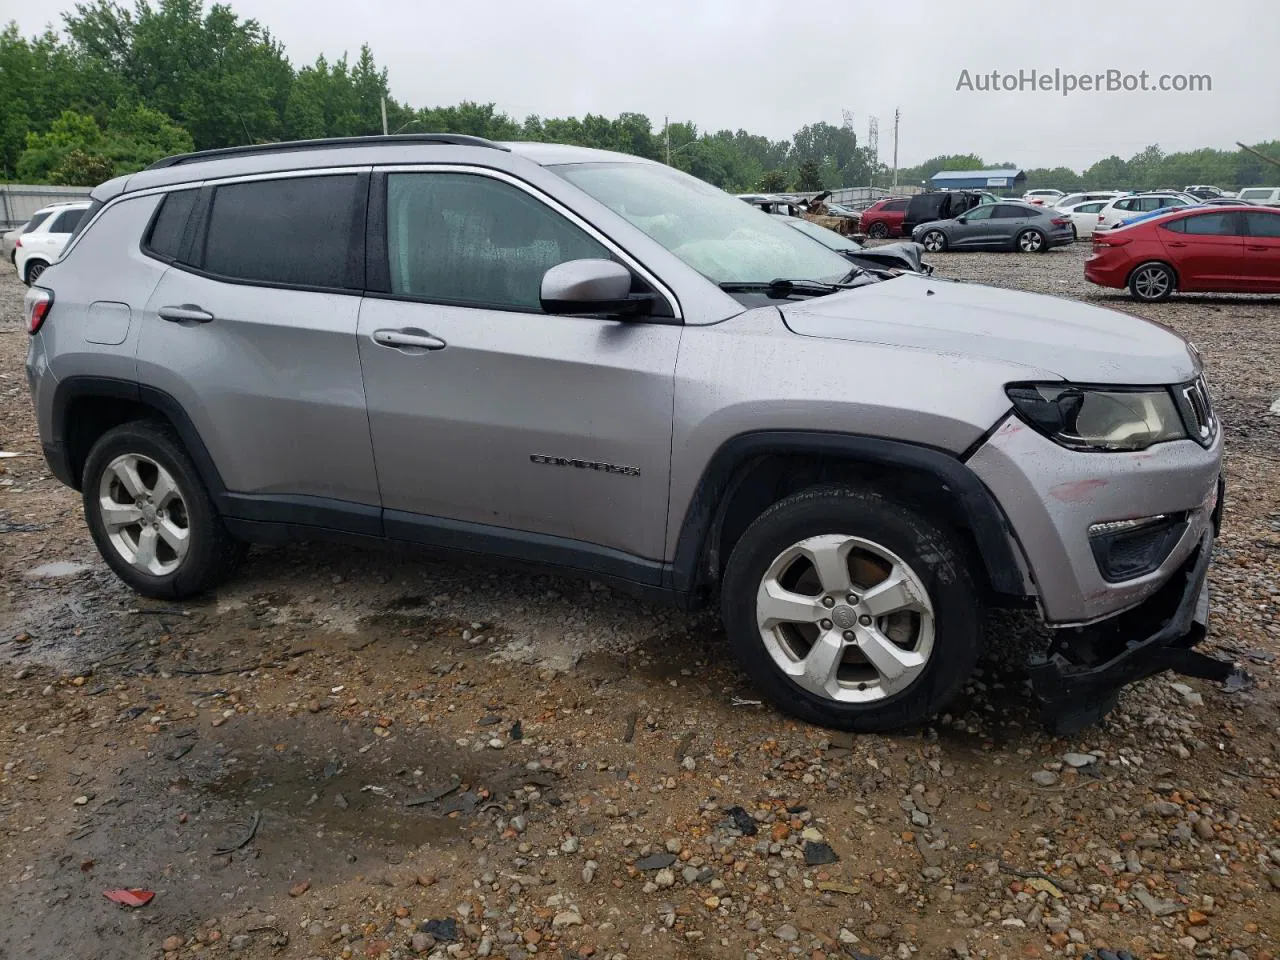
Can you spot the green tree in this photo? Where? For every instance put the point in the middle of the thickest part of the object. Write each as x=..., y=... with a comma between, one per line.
x=810, y=177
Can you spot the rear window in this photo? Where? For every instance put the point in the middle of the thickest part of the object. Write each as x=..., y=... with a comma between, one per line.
x=170, y=225
x=292, y=232
x=893, y=206
x=1256, y=194
x=36, y=220
x=1007, y=211
x=1212, y=224
x=1263, y=224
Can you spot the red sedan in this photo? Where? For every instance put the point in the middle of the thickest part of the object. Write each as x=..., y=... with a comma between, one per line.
x=884, y=218
x=1196, y=249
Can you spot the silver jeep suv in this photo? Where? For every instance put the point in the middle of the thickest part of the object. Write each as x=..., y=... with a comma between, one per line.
x=598, y=364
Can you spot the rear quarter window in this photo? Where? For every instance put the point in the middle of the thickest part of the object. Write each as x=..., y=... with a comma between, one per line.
x=169, y=228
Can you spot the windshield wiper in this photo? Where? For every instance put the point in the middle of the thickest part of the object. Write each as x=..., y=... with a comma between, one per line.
x=782, y=288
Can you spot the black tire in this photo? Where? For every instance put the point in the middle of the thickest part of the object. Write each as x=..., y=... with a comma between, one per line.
x=934, y=241
x=1074, y=235
x=1152, y=282
x=1031, y=241
x=212, y=553
x=878, y=230
x=933, y=552
x=34, y=269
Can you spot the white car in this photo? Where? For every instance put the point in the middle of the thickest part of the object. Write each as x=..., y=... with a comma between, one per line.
x=1044, y=198
x=1263, y=196
x=1084, y=216
x=1071, y=199
x=1121, y=208
x=39, y=246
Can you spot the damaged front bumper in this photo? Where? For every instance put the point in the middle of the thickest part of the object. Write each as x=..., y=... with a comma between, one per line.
x=1078, y=681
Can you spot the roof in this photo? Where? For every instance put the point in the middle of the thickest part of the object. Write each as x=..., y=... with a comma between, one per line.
x=349, y=152
x=1011, y=173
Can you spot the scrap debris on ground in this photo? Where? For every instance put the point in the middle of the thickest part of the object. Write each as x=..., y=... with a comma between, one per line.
x=358, y=754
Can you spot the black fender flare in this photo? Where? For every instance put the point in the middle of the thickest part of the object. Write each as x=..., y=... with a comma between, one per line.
x=85, y=386
x=986, y=521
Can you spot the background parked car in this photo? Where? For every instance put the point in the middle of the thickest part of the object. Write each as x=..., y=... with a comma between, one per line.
x=1071, y=199
x=1047, y=198
x=889, y=256
x=1266, y=196
x=1122, y=207
x=10, y=242
x=937, y=205
x=43, y=244
x=778, y=203
x=1011, y=225
x=884, y=218
x=1084, y=216
x=1204, y=191
x=1216, y=249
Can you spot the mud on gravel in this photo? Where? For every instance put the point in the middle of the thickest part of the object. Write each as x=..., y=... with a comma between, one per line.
x=358, y=754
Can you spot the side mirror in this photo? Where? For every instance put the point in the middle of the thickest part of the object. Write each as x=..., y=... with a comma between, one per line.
x=962, y=219
x=590, y=286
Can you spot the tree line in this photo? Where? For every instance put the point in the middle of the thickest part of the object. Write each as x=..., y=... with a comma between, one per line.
x=118, y=88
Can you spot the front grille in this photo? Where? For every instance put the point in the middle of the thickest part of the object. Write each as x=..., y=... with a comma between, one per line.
x=1197, y=411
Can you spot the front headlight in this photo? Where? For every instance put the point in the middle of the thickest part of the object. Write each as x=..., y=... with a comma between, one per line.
x=1099, y=418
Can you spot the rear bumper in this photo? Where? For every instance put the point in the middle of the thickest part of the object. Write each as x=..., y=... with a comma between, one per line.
x=1106, y=275
x=1078, y=681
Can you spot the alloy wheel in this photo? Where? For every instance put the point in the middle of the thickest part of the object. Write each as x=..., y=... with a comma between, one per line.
x=933, y=241
x=1151, y=283
x=144, y=514
x=1030, y=242
x=878, y=230
x=34, y=271
x=845, y=618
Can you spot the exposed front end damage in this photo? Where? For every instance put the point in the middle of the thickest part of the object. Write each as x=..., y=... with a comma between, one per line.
x=1118, y=547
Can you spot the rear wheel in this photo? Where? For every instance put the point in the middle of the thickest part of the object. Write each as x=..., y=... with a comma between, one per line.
x=1030, y=241
x=934, y=241
x=34, y=269
x=151, y=516
x=1152, y=282
x=850, y=610
x=878, y=230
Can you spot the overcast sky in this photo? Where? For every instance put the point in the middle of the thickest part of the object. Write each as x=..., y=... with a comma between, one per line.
x=770, y=66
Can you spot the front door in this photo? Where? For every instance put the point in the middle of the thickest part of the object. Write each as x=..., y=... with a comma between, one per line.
x=1262, y=250
x=973, y=227
x=492, y=421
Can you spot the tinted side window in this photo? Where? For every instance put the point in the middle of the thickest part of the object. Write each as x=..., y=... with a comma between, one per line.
x=979, y=213
x=66, y=221
x=35, y=221
x=1125, y=205
x=1175, y=226
x=1263, y=224
x=295, y=231
x=170, y=225
x=895, y=205
x=460, y=238
x=1212, y=224
x=1007, y=211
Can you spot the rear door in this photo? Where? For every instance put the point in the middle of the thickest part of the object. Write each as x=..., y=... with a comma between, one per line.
x=497, y=423
x=252, y=330
x=1207, y=250
x=1007, y=222
x=1262, y=250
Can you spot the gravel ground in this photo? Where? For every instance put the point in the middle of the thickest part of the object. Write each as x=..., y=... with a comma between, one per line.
x=353, y=754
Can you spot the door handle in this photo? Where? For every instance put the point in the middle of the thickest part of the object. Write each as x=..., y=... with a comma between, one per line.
x=1176, y=243
x=1258, y=247
x=408, y=338
x=186, y=313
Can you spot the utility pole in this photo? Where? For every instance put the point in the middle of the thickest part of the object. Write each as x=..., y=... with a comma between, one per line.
x=896, y=115
x=384, y=116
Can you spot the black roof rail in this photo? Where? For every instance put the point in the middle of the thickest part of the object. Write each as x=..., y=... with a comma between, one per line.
x=454, y=139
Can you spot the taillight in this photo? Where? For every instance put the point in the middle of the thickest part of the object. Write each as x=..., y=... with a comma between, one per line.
x=18, y=242
x=1060, y=221
x=1101, y=217
x=37, y=303
x=1109, y=240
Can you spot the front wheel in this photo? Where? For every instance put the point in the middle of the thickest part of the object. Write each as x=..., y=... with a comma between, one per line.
x=935, y=241
x=878, y=231
x=1031, y=241
x=850, y=610
x=151, y=516
x=1152, y=282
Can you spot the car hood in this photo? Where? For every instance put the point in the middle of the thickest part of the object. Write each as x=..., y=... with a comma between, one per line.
x=1073, y=340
